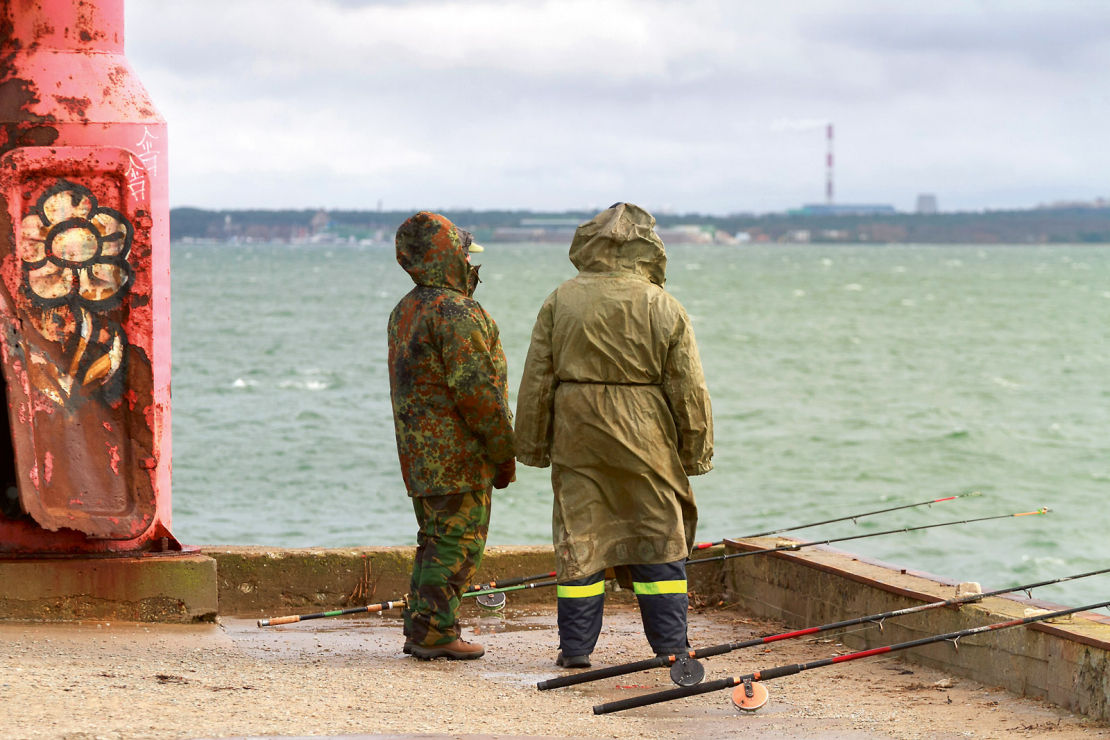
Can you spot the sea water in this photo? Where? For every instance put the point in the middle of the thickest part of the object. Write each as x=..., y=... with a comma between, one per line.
x=843, y=379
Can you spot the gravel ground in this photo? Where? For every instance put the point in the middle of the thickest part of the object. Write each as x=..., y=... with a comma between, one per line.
x=348, y=677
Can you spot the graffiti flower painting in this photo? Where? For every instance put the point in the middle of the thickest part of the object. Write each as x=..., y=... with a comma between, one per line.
x=75, y=269
x=74, y=251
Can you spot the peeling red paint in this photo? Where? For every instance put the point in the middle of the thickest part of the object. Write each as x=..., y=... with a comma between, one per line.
x=43, y=28
x=42, y=404
x=73, y=105
x=68, y=460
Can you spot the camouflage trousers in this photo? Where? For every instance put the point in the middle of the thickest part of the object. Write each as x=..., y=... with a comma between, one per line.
x=449, y=548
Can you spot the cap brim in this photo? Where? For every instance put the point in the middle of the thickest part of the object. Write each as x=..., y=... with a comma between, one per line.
x=475, y=248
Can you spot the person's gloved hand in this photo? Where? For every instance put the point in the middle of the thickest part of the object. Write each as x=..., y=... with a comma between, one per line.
x=506, y=473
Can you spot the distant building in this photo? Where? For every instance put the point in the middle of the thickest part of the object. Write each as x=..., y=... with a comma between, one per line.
x=532, y=234
x=551, y=222
x=686, y=234
x=320, y=221
x=926, y=204
x=844, y=209
x=1062, y=205
x=720, y=236
x=796, y=236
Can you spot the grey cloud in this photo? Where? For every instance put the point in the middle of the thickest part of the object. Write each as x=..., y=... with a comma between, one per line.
x=986, y=108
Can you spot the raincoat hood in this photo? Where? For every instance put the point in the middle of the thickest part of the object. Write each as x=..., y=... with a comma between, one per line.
x=620, y=239
x=433, y=252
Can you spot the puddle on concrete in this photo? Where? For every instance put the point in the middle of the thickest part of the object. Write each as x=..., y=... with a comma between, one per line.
x=481, y=626
x=498, y=626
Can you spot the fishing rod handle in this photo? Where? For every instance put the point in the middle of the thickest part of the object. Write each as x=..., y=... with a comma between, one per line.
x=601, y=673
x=662, y=696
x=715, y=650
x=776, y=672
x=275, y=621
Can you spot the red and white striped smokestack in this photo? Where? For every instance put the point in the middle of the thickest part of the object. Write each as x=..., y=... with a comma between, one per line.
x=829, y=165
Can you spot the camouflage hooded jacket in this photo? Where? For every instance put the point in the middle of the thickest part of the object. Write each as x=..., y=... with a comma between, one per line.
x=447, y=372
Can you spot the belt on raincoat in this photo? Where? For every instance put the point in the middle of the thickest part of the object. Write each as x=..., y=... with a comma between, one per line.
x=607, y=382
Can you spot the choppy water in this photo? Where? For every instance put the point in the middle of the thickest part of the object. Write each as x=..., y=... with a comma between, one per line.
x=841, y=377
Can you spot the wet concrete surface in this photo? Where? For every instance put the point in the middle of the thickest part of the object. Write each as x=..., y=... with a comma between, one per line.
x=349, y=678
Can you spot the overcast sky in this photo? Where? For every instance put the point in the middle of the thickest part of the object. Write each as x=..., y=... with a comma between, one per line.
x=692, y=105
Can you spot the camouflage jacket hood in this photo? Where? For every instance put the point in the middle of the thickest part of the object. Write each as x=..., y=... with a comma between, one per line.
x=621, y=239
x=433, y=252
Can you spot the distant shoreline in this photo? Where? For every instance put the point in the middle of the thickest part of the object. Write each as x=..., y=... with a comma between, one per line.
x=1073, y=225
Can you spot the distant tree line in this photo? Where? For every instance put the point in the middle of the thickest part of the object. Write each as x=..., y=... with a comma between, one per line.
x=1036, y=226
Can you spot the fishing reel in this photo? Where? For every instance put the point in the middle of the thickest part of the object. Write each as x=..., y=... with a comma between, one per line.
x=749, y=696
x=491, y=602
x=687, y=672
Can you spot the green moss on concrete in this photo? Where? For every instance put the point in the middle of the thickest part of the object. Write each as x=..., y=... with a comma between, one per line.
x=179, y=588
x=261, y=581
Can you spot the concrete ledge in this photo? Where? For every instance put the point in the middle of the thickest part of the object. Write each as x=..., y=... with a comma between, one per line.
x=264, y=581
x=1066, y=662
x=178, y=588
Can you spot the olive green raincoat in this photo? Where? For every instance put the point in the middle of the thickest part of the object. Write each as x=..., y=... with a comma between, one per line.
x=614, y=399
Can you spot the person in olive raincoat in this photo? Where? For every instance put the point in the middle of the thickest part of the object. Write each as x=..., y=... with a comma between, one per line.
x=614, y=399
x=453, y=424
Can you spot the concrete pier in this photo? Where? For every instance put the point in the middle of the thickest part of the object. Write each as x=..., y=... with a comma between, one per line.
x=177, y=588
x=349, y=677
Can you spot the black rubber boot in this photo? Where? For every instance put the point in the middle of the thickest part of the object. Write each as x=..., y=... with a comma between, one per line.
x=574, y=661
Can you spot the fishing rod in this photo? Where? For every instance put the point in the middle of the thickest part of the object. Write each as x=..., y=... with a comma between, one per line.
x=493, y=599
x=496, y=602
x=749, y=696
x=707, y=545
x=686, y=672
x=853, y=517
x=509, y=582
x=387, y=605
x=488, y=601
x=383, y=606
x=800, y=545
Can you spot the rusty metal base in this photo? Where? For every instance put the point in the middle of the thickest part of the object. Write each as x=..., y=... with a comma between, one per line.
x=180, y=588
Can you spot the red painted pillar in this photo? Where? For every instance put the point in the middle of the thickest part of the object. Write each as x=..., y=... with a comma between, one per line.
x=84, y=287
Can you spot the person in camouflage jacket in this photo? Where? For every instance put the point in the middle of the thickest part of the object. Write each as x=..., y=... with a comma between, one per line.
x=454, y=428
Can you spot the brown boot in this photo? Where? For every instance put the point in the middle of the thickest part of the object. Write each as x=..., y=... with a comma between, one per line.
x=460, y=649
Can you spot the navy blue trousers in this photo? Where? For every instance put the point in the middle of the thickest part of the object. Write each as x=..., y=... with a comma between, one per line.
x=661, y=592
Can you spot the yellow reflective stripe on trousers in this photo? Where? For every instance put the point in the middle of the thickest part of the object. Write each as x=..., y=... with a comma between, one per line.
x=658, y=587
x=580, y=592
